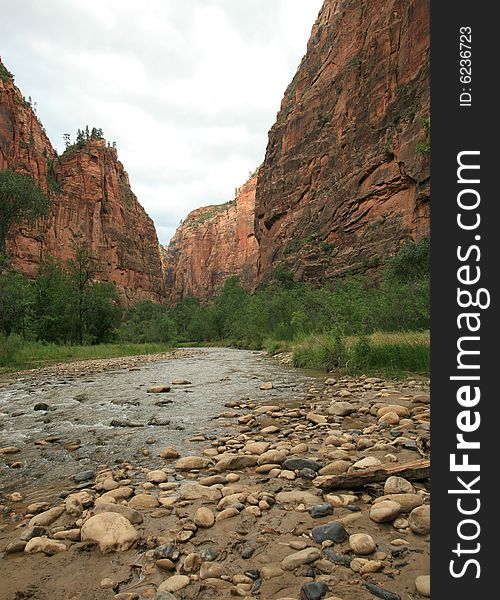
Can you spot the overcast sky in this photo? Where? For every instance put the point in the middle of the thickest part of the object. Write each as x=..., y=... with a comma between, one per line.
x=188, y=89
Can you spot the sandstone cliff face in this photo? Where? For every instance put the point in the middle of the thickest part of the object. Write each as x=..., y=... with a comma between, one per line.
x=345, y=182
x=212, y=244
x=91, y=200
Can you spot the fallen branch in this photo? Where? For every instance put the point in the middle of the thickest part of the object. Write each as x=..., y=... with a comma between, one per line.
x=416, y=470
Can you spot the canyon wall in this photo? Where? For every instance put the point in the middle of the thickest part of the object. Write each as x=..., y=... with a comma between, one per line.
x=91, y=201
x=212, y=244
x=345, y=180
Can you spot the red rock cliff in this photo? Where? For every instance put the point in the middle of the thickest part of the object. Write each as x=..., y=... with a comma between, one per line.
x=90, y=198
x=345, y=180
x=212, y=244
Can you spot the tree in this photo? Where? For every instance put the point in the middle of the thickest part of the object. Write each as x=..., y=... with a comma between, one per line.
x=21, y=201
x=102, y=314
x=15, y=302
x=52, y=302
x=82, y=270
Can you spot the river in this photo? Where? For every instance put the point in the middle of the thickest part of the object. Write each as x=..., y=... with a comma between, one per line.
x=63, y=424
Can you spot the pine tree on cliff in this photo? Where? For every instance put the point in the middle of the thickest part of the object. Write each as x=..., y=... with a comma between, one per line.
x=21, y=201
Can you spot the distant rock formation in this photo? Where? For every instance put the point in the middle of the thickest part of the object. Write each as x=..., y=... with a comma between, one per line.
x=212, y=244
x=91, y=200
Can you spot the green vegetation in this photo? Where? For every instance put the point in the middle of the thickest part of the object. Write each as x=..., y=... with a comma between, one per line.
x=82, y=137
x=211, y=213
x=356, y=324
x=311, y=241
x=62, y=305
x=425, y=146
x=395, y=354
x=53, y=185
x=5, y=74
x=21, y=201
x=18, y=353
x=328, y=327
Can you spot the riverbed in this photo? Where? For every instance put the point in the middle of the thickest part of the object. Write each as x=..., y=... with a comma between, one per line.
x=66, y=423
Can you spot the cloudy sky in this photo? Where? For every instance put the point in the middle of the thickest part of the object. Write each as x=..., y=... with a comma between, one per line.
x=188, y=89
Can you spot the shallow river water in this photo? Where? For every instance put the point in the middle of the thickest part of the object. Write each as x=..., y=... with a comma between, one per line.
x=80, y=410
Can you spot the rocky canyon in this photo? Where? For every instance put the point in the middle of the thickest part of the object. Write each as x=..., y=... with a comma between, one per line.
x=212, y=244
x=345, y=179
x=343, y=185
x=91, y=200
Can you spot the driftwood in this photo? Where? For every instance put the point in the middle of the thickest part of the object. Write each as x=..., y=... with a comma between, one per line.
x=416, y=470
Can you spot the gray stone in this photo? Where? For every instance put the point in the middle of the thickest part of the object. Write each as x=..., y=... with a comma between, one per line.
x=83, y=476
x=321, y=510
x=296, y=464
x=313, y=590
x=333, y=531
x=208, y=554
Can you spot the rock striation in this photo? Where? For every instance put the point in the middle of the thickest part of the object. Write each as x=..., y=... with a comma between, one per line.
x=91, y=200
x=212, y=244
x=345, y=179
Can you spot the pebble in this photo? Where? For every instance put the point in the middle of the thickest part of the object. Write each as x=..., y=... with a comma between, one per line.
x=341, y=409
x=398, y=485
x=130, y=514
x=169, y=453
x=208, y=554
x=266, y=386
x=423, y=585
x=297, y=497
x=195, y=491
x=362, y=543
x=107, y=584
x=111, y=531
x=363, y=566
x=143, y=501
x=165, y=564
x=321, y=510
x=192, y=462
x=302, y=557
x=84, y=476
x=333, y=531
x=336, y=467
x=313, y=590
x=204, y=517
x=158, y=389
x=385, y=511
x=367, y=463
x=297, y=464
x=43, y=544
x=235, y=461
x=212, y=570
x=381, y=593
x=47, y=517
x=169, y=551
x=420, y=520
x=407, y=501
x=157, y=476
x=174, y=583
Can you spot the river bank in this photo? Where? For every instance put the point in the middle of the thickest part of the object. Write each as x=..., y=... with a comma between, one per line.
x=265, y=500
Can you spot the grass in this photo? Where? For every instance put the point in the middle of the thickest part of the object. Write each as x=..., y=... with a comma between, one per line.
x=16, y=353
x=387, y=354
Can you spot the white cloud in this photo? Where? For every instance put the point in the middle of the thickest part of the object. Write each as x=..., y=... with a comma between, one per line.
x=187, y=88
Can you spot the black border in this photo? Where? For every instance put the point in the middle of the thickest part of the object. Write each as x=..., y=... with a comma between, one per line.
x=454, y=129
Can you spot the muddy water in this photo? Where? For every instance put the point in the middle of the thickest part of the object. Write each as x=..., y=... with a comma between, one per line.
x=109, y=417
